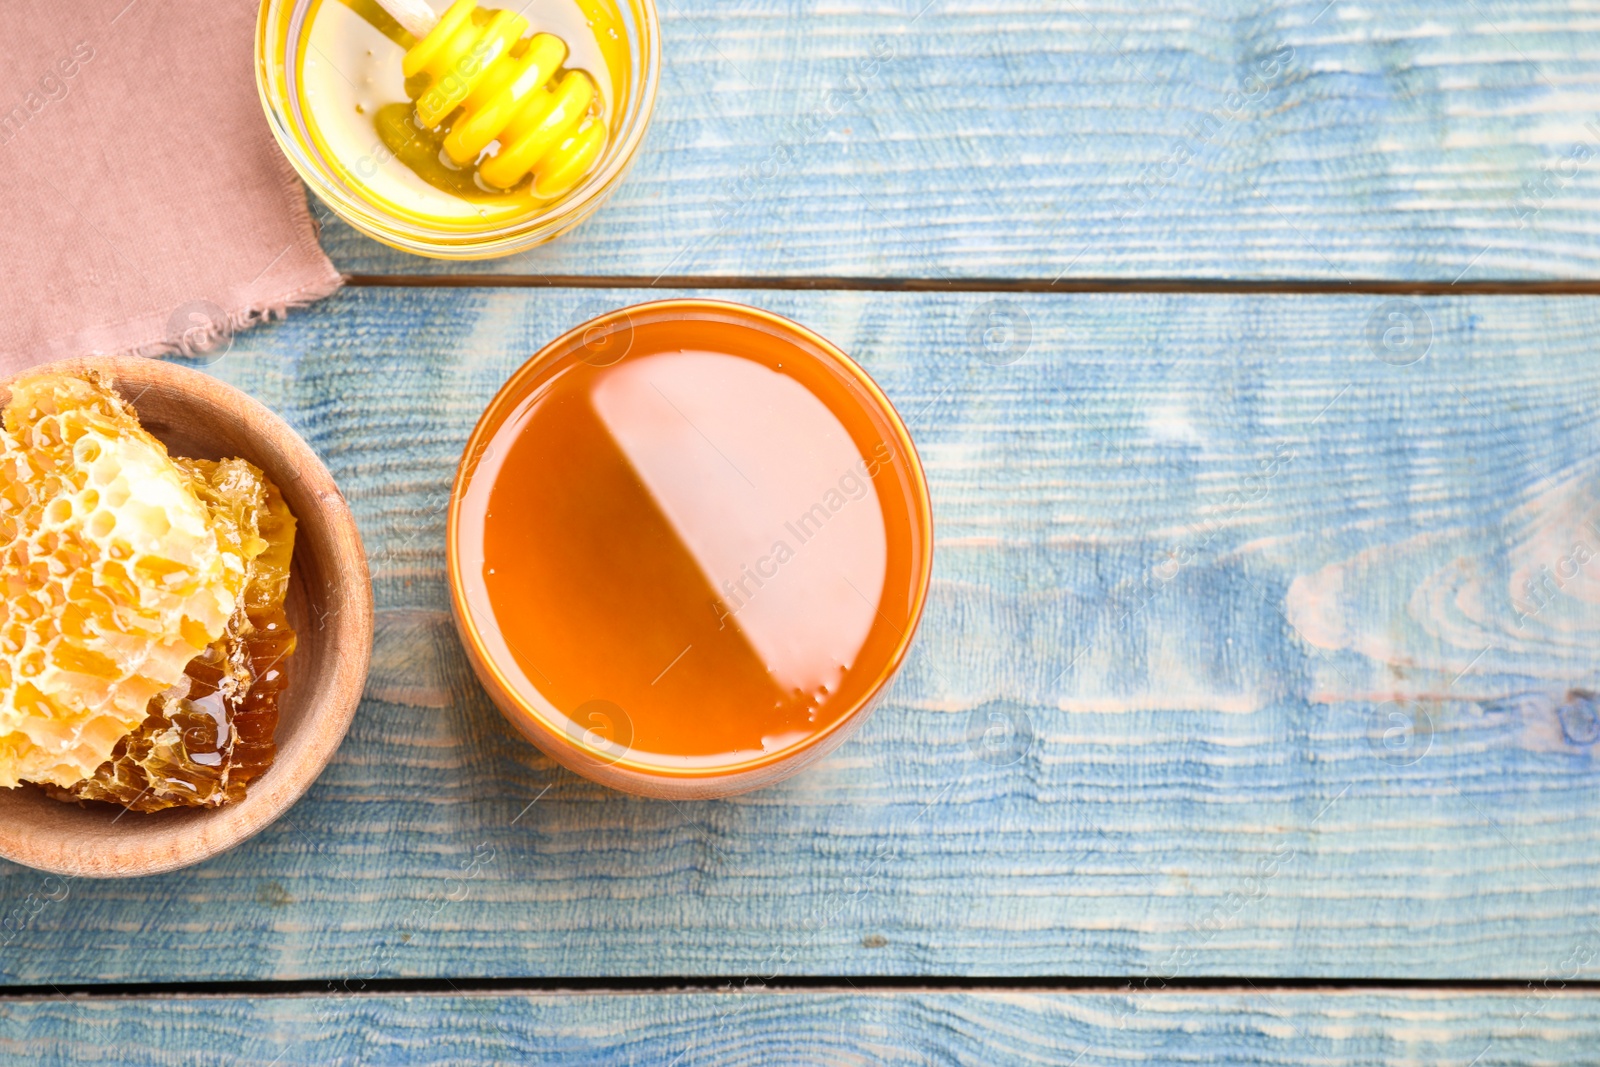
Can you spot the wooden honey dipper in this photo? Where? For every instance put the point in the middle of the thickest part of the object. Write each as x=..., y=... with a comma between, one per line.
x=476, y=59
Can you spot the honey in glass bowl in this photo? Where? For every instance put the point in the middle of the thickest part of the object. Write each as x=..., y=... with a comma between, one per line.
x=689, y=544
x=331, y=79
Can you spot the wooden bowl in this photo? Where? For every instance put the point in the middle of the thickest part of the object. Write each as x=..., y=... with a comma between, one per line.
x=329, y=606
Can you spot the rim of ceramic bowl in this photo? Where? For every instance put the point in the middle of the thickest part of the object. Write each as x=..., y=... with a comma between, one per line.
x=280, y=23
x=907, y=461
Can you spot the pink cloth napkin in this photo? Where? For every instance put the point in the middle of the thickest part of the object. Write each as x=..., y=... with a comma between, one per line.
x=148, y=207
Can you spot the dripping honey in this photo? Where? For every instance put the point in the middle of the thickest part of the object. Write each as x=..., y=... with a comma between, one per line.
x=360, y=115
x=689, y=541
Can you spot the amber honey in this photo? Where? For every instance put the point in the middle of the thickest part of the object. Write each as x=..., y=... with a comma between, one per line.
x=688, y=539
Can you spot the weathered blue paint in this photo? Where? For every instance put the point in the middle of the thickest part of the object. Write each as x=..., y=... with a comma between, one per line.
x=1122, y=512
x=1247, y=1028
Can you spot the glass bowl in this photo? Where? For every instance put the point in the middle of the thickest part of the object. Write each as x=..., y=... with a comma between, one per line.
x=609, y=751
x=633, y=66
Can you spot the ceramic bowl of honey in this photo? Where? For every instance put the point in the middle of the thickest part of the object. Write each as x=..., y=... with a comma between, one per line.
x=689, y=544
x=479, y=132
x=187, y=620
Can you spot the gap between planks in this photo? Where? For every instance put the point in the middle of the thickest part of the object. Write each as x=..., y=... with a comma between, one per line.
x=809, y=984
x=1360, y=286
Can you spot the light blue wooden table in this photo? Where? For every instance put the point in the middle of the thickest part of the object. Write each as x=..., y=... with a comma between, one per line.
x=1247, y=351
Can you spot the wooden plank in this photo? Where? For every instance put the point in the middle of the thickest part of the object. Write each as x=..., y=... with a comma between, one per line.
x=1140, y=519
x=1293, y=139
x=1249, y=1028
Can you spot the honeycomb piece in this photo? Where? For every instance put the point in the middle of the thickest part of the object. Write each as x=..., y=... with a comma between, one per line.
x=112, y=577
x=200, y=746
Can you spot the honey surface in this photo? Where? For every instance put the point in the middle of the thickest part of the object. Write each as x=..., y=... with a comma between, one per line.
x=685, y=554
